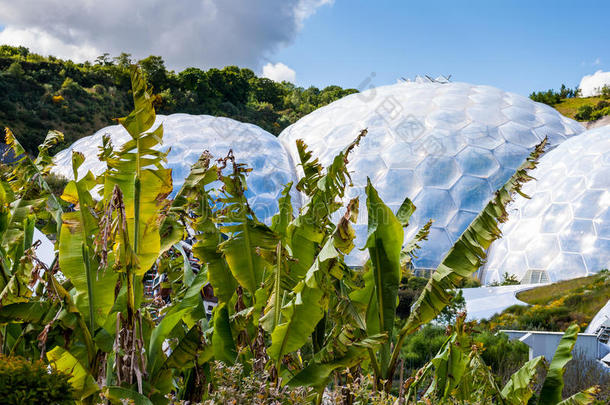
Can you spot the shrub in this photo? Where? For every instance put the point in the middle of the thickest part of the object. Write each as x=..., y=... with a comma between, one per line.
x=584, y=113
x=15, y=70
x=501, y=354
x=232, y=385
x=23, y=382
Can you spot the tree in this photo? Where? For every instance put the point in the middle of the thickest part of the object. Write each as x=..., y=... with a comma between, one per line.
x=155, y=73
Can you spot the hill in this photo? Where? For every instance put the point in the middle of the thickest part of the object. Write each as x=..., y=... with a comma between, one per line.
x=568, y=103
x=555, y=306
x=41, y=93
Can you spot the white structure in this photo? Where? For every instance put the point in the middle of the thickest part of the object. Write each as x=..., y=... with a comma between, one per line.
x=592, y=85
x=188, y=136
x=484, y=302
x=563, y=231
x=447, y=146
x=545, y=343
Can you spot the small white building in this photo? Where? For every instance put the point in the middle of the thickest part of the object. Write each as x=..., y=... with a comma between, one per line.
x=543, y=343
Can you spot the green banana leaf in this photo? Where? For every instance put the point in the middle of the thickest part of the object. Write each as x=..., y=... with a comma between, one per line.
x=317, y=375
x=173, y=317
x=138, y=172
x=27, y=176
x=222, y=338
x=94, y=286
x=384, y=242
x=306, y=308
x=585, y=397
x=553, y=384
x=83, y=383
x=519, y=388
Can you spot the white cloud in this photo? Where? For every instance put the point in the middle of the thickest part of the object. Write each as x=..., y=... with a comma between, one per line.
x=591, y=85
x=203, y=33
x=45, y=44
x=279, y=72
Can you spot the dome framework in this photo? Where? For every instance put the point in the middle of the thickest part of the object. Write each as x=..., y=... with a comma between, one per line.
x=188, y=136
x=447, y=146
x=563, y=230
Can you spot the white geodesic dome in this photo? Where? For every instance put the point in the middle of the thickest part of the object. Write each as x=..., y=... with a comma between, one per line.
x=563, y=231
x=447, y=146
x=188, y=136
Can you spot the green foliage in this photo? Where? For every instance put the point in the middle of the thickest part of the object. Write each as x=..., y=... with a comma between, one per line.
x=234, y=385
x=458, y=372
x=23, y=382
x=290, y=312
x=556, y=306
x=507, y=279
x=553, y=384
x=552, y=97
x=37, y=93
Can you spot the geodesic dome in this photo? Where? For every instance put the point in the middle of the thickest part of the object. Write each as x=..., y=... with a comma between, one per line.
x=447, y=146
x=563, y=231
x=188, y=136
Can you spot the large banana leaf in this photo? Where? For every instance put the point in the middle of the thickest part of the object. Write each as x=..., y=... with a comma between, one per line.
x=27, y=176
x=77, y=260
x=553, y=384
x=138, y=172
x=222, y=338
x=519, y=388
x=193, y=198
x=317, y=374
x=241, y=251
x=384, y=242
x=173, y=317
x=306, y=307
x=248, y=239
x=280, y=276
x=308, y=231
x=83, y=383
x=585, y=397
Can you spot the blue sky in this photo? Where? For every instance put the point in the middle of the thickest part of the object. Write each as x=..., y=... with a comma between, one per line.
x=518, y=46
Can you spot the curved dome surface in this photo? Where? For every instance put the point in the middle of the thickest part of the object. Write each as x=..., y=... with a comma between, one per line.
x=563, y=231
x=188, y=136
x=447, y=146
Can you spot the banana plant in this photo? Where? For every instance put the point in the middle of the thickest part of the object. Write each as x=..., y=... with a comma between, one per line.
x=26, y=201
x=464, y=258
x=458, y=372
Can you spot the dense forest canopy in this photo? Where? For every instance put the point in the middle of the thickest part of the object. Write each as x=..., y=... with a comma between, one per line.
x=41, y=93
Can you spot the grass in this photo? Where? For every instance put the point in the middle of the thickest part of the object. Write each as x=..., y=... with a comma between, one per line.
x=569, y=106
x=556, y=306
x=546, y=294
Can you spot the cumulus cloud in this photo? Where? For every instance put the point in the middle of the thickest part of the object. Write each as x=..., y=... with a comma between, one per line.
x=203, y=33
x=591, y=85
x=279, y=72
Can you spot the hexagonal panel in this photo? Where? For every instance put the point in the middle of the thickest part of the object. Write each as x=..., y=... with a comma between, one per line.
x=473, y=192
x=440, y=172
x=518, y=134
x=511, y=156
x=435, y=204
x=477, y=162
x=542, y=251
